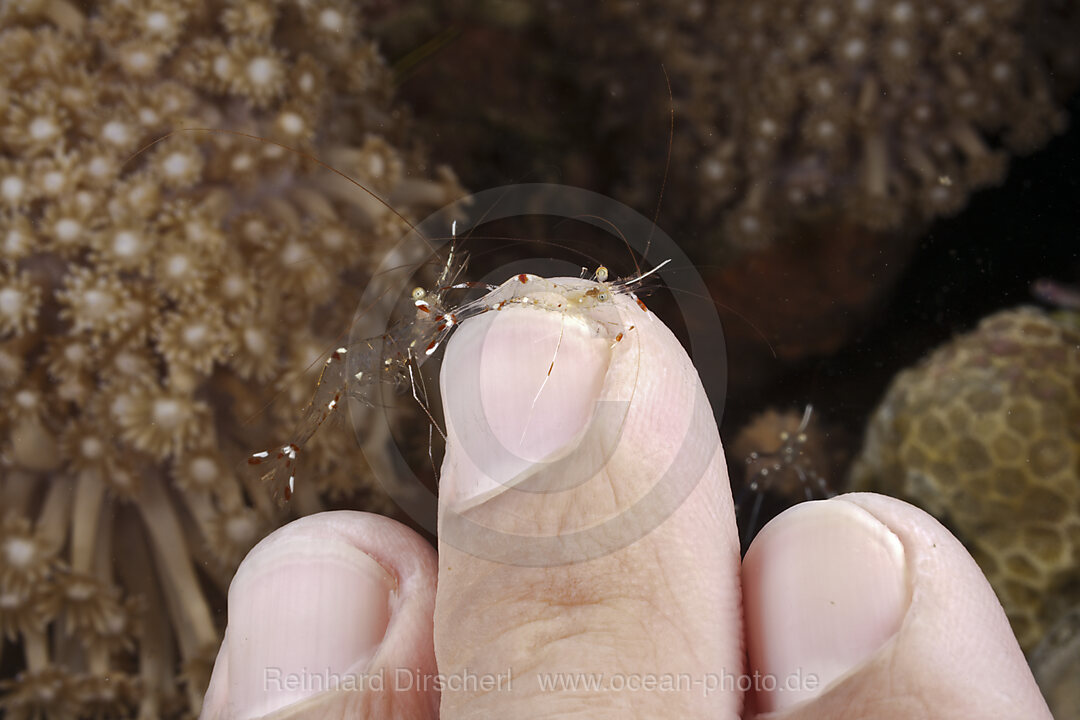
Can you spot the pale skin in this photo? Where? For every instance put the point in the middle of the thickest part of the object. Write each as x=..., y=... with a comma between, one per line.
x=858, y=606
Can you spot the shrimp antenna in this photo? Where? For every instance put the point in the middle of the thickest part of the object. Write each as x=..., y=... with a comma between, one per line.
x=667, y=161
x=635, y=281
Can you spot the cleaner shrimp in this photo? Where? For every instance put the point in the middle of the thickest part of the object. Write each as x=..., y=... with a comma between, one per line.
x=785, y=460
x=358, y=370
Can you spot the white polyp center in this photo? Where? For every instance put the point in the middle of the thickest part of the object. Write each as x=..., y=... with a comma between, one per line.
x=195, y=334
x=333, y=239
x=157, y=22
x=750, y=224
x=27, y=399
x=139, y=60
x=330, y=19
x=67, y=229
x=825, y=18
x=115, y=623
x=902, y=12
x=122, y=479
x=293, y=253
x=900, y=49
x=291, y=123
x=15, y=242
x=20, y=552
x=177, y=265
x=714, y=169
x=768, y=127
x=242, y=162
x=826, y=129
x=177, y=164
x=854, y=48
x=80, y=591
x=240, y=529
x=376, y=165
x=116, y=132
x=255, y=340
x=12, y=188
x=203, y=470
x=126, y=243
x=307, y=82
x=91, y=448
x=233, y=286
x=254, y=230
x=127, y=363
x=975, y=15
x=140, y=194
x=148, y=116
x=53, y=181
x=12, y=302
x=135, y=309
x=196, y=231
x=223, y=68
x=43, y=128
x=12, y=600
x=799, y=43
x=75, y=353
x=1001, y=71
x=99, y=167
x=98, y=303
x=167, y=412
x=261, y=71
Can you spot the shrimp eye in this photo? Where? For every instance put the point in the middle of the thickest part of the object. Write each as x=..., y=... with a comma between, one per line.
x=603, y=296
x=418, y=293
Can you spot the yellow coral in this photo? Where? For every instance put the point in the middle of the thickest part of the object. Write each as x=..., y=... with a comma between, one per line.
x=985, y=434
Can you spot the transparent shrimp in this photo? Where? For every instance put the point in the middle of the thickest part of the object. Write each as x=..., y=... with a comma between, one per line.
x=777, y=470
x=356, y=371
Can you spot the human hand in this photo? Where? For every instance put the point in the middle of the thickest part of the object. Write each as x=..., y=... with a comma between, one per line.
x=858, y=606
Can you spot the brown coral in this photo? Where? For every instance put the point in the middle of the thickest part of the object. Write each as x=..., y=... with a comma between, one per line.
x=985, y=434
x=883, y=113
x=151, y=304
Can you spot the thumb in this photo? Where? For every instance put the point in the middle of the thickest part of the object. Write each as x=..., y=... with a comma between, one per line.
x=324, y=614
x=885, y=614
x=587, y=545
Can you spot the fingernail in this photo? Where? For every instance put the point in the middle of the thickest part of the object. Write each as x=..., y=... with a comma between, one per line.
x=825, y=586
x=520, y=388
x=304, y=614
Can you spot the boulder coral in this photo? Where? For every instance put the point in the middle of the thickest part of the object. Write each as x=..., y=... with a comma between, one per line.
x=984, y=433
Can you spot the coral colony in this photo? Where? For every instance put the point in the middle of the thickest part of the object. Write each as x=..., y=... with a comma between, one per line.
x=884, y=112
x=149, y=305
x=985, y=434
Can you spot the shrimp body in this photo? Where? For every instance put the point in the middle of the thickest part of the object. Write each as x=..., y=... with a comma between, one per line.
x=356, y=371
